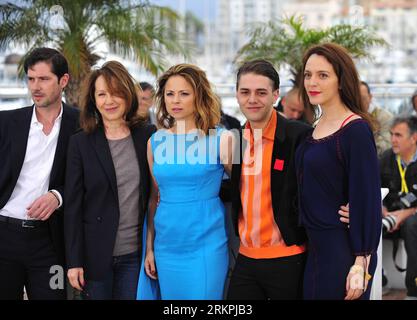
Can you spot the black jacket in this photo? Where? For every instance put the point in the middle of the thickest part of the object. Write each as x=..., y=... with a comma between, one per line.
x=391, y=179
x=288, y=135
x=92, y=205
x=14, y=133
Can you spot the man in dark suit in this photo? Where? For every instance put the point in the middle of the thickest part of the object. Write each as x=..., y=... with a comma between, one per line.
x=271, y=258
x=33, y=146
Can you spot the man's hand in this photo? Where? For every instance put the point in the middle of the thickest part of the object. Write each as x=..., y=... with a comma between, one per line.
x=43, y=207
x=76, y=278
x=344, y=213
x=401, y=216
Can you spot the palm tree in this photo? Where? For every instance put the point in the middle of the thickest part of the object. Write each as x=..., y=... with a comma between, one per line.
x=284, y=42
x=132, y=29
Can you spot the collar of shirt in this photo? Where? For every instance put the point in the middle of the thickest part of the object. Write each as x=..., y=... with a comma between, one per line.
x=414, y=159
x=267, y=133
x=37, y=123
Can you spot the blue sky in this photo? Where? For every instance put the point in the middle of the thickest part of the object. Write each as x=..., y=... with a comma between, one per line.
x=196, y=6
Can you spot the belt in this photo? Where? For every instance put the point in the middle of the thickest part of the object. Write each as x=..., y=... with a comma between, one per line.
x=31, y=224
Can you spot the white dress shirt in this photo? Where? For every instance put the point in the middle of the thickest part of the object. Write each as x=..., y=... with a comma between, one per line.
x=34, y=176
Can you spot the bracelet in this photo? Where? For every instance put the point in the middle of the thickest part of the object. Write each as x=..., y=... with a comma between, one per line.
x=56, y=197
x=359, y=270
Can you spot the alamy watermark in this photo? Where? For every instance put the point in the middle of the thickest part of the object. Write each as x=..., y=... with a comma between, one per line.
x=197, y=147
x=56, y=282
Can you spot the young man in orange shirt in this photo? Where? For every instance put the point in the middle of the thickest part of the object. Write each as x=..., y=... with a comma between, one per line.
x=271, y=259
x=271, y=256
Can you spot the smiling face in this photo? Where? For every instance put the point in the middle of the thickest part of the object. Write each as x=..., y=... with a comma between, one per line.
x=179, y=97
x=321, y=82
x=256, y=96
x=44, y=86
x=111, y=107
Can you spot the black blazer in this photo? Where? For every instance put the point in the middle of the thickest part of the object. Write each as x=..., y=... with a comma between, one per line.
x=14, y=133
x=284, y=191
x=92, y=205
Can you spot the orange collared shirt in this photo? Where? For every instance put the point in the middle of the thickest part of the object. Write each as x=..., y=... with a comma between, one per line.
x=259, y=234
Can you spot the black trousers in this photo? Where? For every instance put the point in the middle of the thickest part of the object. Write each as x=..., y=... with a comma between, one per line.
x=28, y=259
x=264, y=279
x=409, y=234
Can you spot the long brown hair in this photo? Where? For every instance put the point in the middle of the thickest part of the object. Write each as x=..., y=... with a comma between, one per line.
x=207, y=104
x=347, y=75
x=120, y=83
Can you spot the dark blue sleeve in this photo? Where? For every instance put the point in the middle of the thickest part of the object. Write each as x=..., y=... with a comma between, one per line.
x=359, y=153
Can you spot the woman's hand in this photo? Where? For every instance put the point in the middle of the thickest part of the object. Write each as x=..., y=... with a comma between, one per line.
x=150, y=268
x=357, y=279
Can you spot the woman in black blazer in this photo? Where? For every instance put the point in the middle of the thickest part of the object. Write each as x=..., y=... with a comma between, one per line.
x=107, y=188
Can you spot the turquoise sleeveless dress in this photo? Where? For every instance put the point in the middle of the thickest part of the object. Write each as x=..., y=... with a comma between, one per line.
x=190, y=246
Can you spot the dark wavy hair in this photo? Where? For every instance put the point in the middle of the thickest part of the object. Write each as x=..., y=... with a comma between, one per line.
x=59, y=65
x=120, y=83
x=347, y=75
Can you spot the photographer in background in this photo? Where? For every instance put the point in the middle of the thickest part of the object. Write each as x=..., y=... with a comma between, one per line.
x=146, y=98
x=399, y=173
x=382, y=117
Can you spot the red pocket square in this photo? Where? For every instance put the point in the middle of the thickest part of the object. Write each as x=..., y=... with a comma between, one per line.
x=279, y=164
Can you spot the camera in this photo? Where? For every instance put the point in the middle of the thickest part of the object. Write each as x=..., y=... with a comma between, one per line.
x=388, y=223
x=408, y=200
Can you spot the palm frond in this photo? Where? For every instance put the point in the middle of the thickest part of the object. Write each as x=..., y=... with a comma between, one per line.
x=284, y=42
x=21, y=24
x=135, y=29
x=143, y=34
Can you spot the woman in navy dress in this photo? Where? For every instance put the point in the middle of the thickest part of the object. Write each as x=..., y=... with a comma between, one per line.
x=337, y=164
x=186, y=246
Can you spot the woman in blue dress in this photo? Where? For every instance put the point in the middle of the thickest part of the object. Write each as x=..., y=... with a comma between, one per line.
x=186, y=246
x=337, y=164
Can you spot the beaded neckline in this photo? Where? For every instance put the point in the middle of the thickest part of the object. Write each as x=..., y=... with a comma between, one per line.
x=334, y=134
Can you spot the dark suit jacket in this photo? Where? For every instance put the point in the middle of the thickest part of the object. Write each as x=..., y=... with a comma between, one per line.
x=14, y=132
x=284, y=191
x=92, y=205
